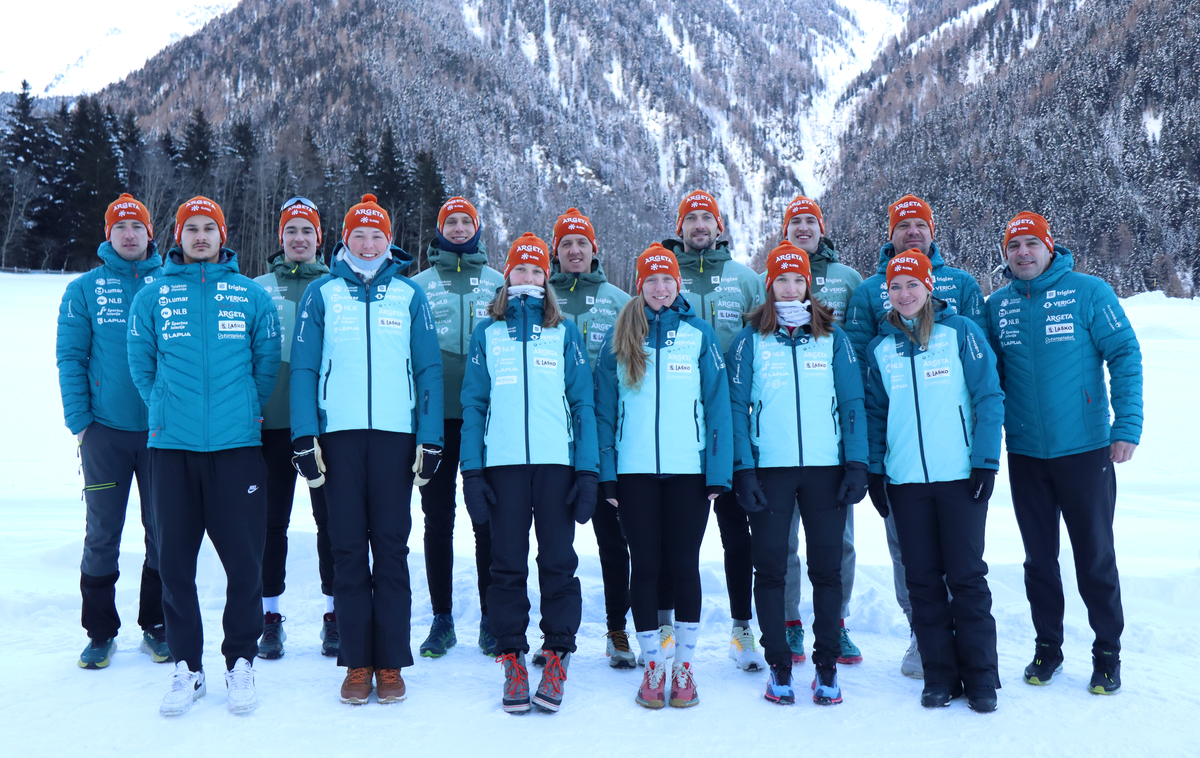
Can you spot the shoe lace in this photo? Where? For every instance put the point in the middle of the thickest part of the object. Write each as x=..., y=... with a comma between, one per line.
x=681, y=678
x=516, y=678
x=554, y=675
x=620, y=641
x=654, y=675
x=825, y=675
x=359, y=675
x=184, y=680
x=241, y=677
x=745, y=640
x=783, y=676
x=388, y=676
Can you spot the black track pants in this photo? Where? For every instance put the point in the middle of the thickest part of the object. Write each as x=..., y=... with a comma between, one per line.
x=614, y=564
x=814, y=489
x=277, y=451
x=941, y=530
x=1083, y=488
x=664, y=522
x=438, y=501
x=533, y=495
x=223, y=494
x=368, y=488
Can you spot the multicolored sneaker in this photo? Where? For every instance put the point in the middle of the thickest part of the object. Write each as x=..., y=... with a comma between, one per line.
x=487, y=643
x=850, y=652
x=1047, y=661
x=779, y=686
x=825, y=685
x=98, y=653
x=516, y=683
x=683, y=686
x=1106, y=674
x=154, y=644
x=795, y=641
x=620, y=656
x=270, y=645
x=330, y=640
x=549, y=693
x=743, y=650
x=652, y=691
x=441, y=636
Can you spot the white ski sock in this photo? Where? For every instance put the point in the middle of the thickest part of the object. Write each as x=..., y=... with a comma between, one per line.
x=271, y=604
x=686, y=634
x=651, y=649
x=329, y=603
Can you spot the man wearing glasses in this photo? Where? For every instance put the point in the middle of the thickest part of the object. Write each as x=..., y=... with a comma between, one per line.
x=291, y=270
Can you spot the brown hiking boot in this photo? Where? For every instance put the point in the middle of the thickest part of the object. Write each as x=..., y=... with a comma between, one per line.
x=357, y=686
x=389, y=686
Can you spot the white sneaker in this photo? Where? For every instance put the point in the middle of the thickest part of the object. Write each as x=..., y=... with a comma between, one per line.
x=911, y=665
x=744, y=652
x=666, y=640
x=239, y=681
x=187, y=687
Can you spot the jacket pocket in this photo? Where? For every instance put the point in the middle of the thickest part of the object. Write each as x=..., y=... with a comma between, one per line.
x=1094, y=402
x=696, y=417
x=567, y=415
x=325, y=387
x=963, y=418
x=757, y=420
x=408, y=376
x=621, y=423
x=833, y=413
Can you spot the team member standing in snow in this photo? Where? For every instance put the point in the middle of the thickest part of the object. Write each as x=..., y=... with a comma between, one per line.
x=789, y=453
x=910, y=227
x=832, y=284
x=203, y=353
x=719, y=290
x=935, y=407
x=1054, y=330
x=459, y=286
x=586, y=297
x=293, y=268
x=661, y=376
x=104, y=411
x=529, y=455
x=367, y=381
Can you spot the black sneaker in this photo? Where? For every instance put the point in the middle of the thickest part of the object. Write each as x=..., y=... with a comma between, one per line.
x=270, y=646
x=940, y=695
x=1047, y=662
x=441, y=636
x=330, y=641
x=1106, y=674
x=982, y=699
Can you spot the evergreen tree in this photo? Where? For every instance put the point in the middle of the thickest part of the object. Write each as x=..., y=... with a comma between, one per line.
x=198, y=156
x=22, y=148
x=428, y=194
x=391, y=178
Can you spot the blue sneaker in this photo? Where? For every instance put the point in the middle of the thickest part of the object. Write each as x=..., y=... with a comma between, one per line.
x=487, y=643
x=850, y=652
x=779, y=686
x=98, y=653
x=825, y=685
x=154, y=644
x=795, y=641
x=441, y=636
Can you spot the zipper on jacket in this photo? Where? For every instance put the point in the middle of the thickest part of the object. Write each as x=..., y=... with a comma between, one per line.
x=696, y=417
x=758, y=421
x=657, y=385
x=621, y=426
x=917, y=406
x=325, y=389
x=408, y=376
x=799, y=421
x=713, y=307
x=833, y=413
x=371, y=425
x=963, y=419
x=525, y=369
x=204, y=352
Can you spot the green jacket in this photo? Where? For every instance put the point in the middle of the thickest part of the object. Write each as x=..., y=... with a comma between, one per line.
x=720, y=289
x=591, y=302
x=833, y=282
x=285, y=283
x=459, y=289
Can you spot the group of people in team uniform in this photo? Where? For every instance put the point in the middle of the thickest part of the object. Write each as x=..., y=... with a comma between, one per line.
x=777, y=399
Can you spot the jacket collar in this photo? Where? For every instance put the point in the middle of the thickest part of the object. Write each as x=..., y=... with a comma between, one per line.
x=888, y=251
x=281, y=266
x=1061, y=264
x=129, y=269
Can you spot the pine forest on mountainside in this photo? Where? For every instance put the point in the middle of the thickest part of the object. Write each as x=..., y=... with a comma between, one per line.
x=1087, y=112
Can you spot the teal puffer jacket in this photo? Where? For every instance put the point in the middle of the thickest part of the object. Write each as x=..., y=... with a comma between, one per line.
x=1053, y=335
x=203, y=352
x=93, y=329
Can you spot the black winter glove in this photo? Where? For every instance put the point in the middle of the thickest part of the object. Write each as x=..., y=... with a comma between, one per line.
x=586, y=487
x=608, y=490
x=983, y=481
x=478, y=494
x=307, y=460
x=878, y=493
x=854, y=484
x=429, y=457
x=749, y=492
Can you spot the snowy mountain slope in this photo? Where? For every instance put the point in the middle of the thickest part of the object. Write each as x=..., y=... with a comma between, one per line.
x=48, y=706
x=93, y=44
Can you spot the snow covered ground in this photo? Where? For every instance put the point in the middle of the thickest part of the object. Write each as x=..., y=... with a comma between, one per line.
x=48, y=706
